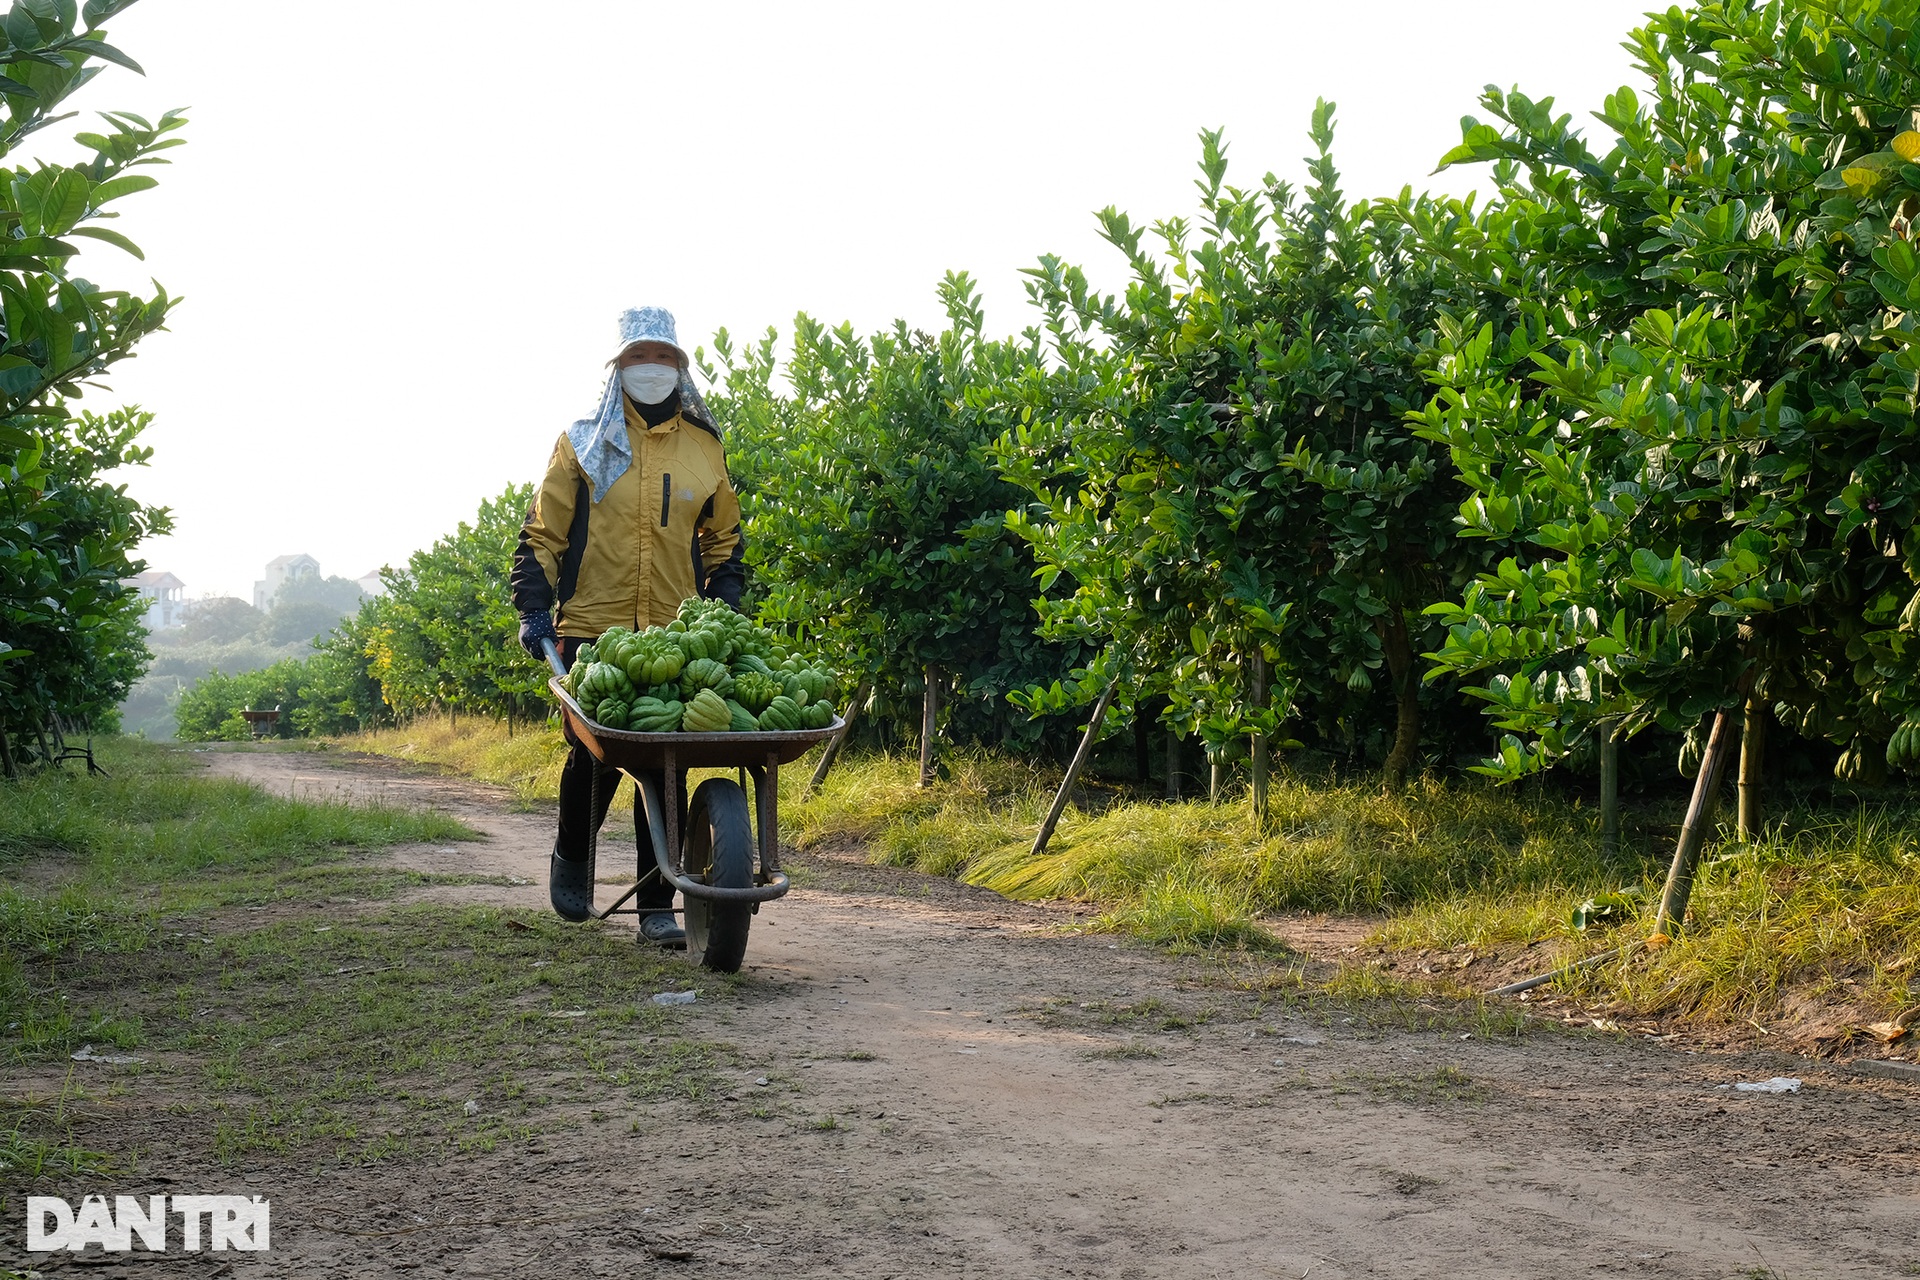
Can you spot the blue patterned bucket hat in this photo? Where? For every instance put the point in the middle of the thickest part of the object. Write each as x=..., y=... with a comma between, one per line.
x=649, y=324
x=600, y=442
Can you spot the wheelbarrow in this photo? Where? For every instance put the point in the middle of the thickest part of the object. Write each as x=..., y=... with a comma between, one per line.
x=712, y=861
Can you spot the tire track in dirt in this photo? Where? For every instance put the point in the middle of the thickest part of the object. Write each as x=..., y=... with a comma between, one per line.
x=967, y=1089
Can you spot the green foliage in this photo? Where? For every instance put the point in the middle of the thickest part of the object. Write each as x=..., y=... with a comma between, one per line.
x=876, y=524
x=443, y=637
x=444, y=634
x=1220, y=465
x=67, y=536
x=229, y=637
x=1687, y=409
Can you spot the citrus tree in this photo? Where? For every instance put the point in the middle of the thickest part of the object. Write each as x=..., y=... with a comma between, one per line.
x=1691, y=407
x=443, y=634
x=1219, y=463
x=877, y=524
x=69, y=633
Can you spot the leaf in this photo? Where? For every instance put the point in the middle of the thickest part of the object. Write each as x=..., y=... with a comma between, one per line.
x=65, y=202
x=1907, y=146
x=1860, y=180
x=124, y=185
x=106, y=53
x=112, y=238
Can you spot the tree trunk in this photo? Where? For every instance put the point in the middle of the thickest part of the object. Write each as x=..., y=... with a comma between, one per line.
x=929, y=717
x=1173, y=763
x=1753, y=754
x=6, y=754
x=834, y=744
x=1080, y=759
x=1140, y=745
x=1258, y=663
x=1610, y=788
x=1406, y=697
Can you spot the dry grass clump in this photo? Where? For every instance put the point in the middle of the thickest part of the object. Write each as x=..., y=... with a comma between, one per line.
x=528, y=761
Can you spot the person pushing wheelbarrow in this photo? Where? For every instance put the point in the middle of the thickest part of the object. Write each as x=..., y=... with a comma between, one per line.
x=634, y=515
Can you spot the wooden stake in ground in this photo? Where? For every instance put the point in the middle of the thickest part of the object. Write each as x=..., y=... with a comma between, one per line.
x=1173, y=763
x=1753, y=755
x=834, y=743
x=1693, y=833
x=1610, y=788
x=929, y=717
x=1259, y=665
x=1140, y=745
x=1080, y=758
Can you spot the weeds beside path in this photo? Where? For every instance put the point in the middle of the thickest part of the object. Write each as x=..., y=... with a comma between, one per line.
x=917, y=1076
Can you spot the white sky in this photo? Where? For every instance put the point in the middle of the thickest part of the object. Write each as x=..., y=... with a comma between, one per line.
x=404, y=229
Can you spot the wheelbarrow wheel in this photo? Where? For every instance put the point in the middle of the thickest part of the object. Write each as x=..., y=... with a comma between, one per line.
x=719, y=852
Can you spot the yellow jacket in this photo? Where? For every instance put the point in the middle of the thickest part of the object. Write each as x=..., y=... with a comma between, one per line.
x=668, y=529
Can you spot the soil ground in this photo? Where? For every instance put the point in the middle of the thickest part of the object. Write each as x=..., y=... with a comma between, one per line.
x=970, y=1086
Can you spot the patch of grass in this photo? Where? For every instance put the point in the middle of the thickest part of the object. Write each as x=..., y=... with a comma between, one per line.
x=528, y=761
x=37, y=1141
x=981, y=805
x=97, y=863
x=1424, y=1088
x=362, y=1039
x=1199, y=875
x=1184, y=911
x=158, y=821
x=1831, y=909
x=1131, y=1051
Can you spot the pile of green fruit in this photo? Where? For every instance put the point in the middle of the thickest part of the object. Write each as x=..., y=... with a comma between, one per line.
x=710, y=670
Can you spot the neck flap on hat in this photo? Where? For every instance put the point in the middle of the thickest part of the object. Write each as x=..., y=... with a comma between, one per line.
x=600, y=442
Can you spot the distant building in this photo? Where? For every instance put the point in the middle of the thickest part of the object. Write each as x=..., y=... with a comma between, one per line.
x=162, y=592
x=370, y=584
x=280, y=571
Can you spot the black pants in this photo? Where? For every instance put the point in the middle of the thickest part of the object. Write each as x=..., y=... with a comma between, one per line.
x=580, y=817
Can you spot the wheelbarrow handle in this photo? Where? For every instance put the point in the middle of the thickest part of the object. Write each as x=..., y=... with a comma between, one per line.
x=552, y=651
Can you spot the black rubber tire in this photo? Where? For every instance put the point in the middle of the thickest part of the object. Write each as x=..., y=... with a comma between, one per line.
x=719, y=852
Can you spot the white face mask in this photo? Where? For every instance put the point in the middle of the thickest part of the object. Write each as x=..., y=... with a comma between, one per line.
x=649, y=383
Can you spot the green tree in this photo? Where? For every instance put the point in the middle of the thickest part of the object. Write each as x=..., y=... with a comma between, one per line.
x=1691, y=411
x=1221, y=465
x=877, y=522
x=444, y=634
x=69, y=634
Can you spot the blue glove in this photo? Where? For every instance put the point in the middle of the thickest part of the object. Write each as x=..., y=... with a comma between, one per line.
x=537, y=625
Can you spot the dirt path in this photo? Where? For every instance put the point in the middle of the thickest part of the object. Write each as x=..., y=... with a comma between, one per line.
x=975, y=1092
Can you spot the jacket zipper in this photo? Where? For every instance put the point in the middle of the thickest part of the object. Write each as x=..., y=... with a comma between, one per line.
x=666, y=495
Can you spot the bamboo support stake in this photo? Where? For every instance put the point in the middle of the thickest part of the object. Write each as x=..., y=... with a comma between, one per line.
x=1260, y=741
x=1753, y=755
x=1693, y=833
x=1610, y=788
x=929, y=717
x=834, y=743
x=1080, y=759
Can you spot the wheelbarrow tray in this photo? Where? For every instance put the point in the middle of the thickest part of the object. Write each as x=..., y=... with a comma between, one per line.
x=632, y=751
